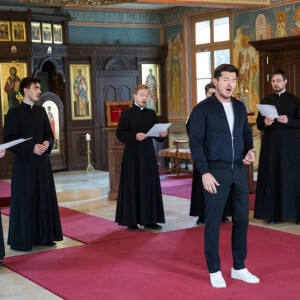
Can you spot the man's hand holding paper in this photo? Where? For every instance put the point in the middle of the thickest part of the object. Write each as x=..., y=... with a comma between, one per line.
x=268, y=111
x=159, y=130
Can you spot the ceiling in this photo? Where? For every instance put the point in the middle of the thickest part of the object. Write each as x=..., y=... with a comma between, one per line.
x=155, y=5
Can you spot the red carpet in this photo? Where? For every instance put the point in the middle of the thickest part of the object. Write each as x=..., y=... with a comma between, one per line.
x=165, y=266
x=87, y=229
x=4, y=193
x=181, y=186
x=178, y=186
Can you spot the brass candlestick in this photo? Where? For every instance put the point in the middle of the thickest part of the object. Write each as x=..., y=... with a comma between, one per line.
x=89, y=168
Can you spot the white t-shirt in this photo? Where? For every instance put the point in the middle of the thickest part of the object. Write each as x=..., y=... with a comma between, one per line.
x=229, y=114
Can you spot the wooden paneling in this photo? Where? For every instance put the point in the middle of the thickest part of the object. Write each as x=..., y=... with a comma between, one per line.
x=115, y=154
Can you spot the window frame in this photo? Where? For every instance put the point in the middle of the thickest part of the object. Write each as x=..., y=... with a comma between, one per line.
x=211, y=47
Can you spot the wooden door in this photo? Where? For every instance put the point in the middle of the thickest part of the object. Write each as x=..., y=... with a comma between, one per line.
x=112, y=86
x=281, y=53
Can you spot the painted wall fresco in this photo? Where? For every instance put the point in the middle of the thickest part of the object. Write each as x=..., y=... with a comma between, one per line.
x=175, y=73
x=276, y=22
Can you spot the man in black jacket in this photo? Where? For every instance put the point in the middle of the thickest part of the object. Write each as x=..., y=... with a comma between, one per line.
x=221, y=142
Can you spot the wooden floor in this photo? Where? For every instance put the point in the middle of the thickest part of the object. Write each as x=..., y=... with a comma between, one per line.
x=88, y=193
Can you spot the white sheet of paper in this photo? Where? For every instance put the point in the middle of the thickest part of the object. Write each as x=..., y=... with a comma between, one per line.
x=157, y=128
x=13, y=143
x=268, y=110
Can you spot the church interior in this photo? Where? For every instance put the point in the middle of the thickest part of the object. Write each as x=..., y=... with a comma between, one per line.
x=89, y=56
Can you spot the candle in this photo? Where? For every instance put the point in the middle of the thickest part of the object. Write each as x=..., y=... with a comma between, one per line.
x=88, y=137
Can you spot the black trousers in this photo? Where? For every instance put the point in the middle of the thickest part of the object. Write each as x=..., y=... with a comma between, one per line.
x=234, y=182
x=2, y=249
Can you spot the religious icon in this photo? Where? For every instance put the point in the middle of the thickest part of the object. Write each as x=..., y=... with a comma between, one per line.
x=175, y=54
x=47, y=33
x=244, y=66
x=11, y=75
x=80, y=91
x=151, y=77
x=36, y=32
x=18, y=32
x=57, y=34
x=296, y=29
x=281, y=30
x=52, y=113
x=4, y=31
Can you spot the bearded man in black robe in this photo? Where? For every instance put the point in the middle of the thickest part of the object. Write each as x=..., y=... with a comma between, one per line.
x=139, y=197
x=278, y=188
x=34, y=217
x=2, y=249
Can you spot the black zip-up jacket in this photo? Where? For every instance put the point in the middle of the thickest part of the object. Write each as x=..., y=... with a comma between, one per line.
x=210, y=139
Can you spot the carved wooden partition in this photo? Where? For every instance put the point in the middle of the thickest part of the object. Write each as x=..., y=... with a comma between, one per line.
x=115, y=154
x=112, y=86
x=115, y=70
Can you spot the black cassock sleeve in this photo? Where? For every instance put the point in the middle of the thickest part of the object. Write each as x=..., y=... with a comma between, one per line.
x=11, y=133
x=123, y=132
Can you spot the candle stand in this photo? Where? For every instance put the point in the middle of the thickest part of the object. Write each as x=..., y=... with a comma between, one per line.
x=89, y=168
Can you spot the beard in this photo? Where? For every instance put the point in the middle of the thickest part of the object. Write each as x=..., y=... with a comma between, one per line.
x=278, y=89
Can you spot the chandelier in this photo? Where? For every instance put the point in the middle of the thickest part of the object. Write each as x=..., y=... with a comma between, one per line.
x=89, y=3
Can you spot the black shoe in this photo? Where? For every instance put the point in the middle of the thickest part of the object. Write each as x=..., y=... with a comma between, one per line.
x=298, y=222
x=225, y=220
x=200, y=221
x=1, y=263
x=272, y=222
x=154, y=226
x=50, y=244
x=133, y=228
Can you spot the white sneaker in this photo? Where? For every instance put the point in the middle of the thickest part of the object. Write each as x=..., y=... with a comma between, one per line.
x=244, y=275
x=217, y=280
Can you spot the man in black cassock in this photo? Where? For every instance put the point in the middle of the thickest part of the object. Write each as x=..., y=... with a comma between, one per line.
x=2, y=249
x=139, y=197
x=278, y=188
x=34, y=217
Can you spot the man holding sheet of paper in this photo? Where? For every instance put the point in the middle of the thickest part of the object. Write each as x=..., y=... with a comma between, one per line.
x=140, y=197
x=278, y=188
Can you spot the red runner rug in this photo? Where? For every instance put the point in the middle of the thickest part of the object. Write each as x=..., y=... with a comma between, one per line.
x=178, y=186
x=4, y=193
x=87, y=229
x=167, y=265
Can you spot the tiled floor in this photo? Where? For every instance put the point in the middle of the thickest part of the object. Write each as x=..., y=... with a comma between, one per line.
x=88, y=193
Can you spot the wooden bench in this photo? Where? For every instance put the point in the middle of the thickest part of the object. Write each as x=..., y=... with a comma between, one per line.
x=175, y=155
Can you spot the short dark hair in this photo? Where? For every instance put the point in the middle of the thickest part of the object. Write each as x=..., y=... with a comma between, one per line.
x=225, y=68
x=209, y=86
x=26, y=83
x=279, y=72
